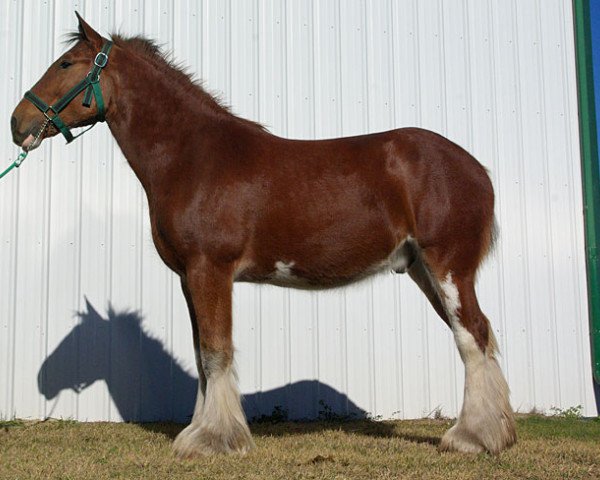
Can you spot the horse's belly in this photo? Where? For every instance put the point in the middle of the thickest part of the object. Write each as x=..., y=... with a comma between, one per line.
x=306, y=273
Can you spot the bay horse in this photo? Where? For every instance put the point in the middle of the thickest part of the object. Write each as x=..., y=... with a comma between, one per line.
x=229, y=201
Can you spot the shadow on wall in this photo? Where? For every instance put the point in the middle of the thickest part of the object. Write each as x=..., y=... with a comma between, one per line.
x=147, y=384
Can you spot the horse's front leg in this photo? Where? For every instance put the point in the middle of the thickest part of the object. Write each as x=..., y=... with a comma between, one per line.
x=219, y=424
x=189, y=430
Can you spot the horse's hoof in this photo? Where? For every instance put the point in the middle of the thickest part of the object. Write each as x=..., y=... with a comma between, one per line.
x=183, y=442
x=194, y=441
x=460, y=439
x=457, y=440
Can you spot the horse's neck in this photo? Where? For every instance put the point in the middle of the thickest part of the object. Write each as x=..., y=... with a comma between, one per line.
x=154, y=121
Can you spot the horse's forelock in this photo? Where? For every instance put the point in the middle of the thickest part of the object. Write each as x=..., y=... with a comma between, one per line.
x=74, y=37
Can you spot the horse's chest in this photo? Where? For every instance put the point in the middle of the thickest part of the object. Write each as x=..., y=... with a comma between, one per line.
x=164, y=245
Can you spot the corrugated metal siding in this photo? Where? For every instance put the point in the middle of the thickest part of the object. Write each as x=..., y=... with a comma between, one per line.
x=496, y=77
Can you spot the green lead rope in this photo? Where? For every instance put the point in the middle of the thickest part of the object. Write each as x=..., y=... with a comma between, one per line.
x=16, y=164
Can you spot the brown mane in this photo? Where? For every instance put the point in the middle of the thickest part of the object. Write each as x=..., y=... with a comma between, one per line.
x=178, y=72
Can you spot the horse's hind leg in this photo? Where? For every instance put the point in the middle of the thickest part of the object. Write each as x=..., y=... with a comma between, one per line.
x=221, y=426
x=423, y=277
x=486, y=420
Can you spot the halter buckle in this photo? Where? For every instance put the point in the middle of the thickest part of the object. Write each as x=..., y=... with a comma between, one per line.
x=101, y=60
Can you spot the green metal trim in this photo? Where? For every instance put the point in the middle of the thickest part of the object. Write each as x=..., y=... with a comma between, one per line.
x=589, y=165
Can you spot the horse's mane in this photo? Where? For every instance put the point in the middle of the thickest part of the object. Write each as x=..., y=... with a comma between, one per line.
x=151, y=51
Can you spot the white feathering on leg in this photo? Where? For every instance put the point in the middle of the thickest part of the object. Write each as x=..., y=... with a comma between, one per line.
x=222, y=426
x=485, y=422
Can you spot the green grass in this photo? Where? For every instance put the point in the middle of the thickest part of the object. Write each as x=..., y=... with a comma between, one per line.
x=548, y=448
x=5, y=424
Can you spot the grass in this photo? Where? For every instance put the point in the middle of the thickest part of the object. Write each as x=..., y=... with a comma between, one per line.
x=548, y=448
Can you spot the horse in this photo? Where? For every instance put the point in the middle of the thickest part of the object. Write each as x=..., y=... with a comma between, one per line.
x=231, y=202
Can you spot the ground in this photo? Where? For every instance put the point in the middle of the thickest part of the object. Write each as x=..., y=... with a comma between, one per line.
x=549, y=448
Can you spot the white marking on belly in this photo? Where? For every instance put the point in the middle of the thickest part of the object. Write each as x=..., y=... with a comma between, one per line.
x=283, y=271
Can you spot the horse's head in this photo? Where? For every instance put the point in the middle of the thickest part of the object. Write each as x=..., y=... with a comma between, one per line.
x=30, y=125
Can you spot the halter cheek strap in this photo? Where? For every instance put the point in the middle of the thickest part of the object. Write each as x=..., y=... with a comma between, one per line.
x=91, y=85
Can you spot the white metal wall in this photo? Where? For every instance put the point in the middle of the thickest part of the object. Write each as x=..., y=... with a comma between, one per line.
x=497, y=77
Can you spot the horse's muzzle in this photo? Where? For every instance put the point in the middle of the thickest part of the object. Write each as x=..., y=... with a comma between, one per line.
x=19, y=135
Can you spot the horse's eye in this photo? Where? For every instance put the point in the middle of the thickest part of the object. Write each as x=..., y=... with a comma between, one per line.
x=65, y=64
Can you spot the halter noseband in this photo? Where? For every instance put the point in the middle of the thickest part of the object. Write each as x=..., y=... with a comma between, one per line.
x=91, y=85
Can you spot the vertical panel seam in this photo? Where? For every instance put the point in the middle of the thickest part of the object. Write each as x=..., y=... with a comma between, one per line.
x=16, y=223
x=498, y=199
x=399, y=400
x=522, y=195
x=45, y=277
x=547, y=203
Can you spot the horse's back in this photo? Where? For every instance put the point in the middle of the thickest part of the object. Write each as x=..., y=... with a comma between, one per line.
x=418, y=177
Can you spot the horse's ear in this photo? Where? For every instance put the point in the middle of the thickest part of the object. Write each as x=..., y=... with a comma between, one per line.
x=88, y=34
x=91, y=314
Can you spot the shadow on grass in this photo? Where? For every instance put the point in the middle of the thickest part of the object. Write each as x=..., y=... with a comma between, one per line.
x=364, y=427
x=148, y=384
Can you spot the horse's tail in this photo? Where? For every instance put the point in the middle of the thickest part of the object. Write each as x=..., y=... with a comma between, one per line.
x=494, y=235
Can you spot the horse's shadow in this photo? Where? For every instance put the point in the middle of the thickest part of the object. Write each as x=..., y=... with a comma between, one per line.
x=147, y=384
x=144, y=381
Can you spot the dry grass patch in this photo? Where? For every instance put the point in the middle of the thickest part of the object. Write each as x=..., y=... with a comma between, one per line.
x=549, y=448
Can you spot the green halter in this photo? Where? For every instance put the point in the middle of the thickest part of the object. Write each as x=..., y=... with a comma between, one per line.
x=91, y=85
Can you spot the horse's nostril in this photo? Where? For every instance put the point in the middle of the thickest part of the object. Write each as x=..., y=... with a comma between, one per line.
x=13, y=123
